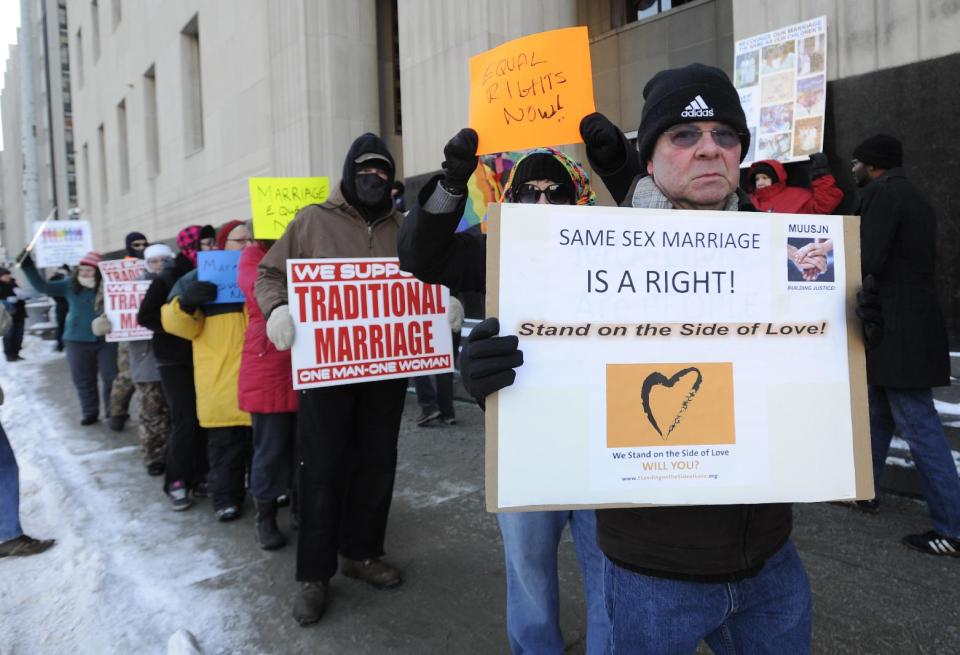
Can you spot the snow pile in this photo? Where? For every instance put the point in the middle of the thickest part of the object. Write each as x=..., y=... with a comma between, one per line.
x=126, y=573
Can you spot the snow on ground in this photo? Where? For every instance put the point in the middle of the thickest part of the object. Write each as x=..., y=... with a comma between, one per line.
x=126, y=572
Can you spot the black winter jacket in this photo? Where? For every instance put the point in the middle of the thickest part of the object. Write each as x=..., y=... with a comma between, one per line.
x=898, y=239
x=167, y=348
x=704, y=543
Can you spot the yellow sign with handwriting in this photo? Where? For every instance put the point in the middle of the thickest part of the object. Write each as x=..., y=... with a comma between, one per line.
x=274, y=201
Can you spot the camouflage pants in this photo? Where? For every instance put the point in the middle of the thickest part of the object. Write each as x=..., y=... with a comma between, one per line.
x=123, y=389
x=154, y=423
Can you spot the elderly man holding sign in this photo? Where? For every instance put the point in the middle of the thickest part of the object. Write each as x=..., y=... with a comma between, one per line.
x=347, y=434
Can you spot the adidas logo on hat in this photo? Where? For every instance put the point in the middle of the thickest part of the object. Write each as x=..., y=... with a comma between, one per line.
x=697, y=109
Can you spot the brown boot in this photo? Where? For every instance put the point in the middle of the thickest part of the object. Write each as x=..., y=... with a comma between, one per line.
x=374, y=572
x=23, y=546
x=310, y=603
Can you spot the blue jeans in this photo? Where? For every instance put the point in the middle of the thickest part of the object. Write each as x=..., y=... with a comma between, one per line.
x=770, y=613
x=9, y=491
x=911, y=413
x=530, y=542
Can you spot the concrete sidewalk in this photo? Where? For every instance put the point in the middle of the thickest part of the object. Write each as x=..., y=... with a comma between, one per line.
x=128, y=572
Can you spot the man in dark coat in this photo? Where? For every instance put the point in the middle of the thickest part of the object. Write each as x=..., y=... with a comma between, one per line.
x=12, y=340
x=898, y=233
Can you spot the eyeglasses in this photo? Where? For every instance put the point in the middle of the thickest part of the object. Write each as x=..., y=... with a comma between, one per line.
x=247, y=240
x=557, y=194
x=688, y=136
x=139, y=245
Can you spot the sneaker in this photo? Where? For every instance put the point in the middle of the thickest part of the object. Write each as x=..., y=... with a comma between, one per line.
x=23, y=546
x=427, y=417
x=933, y=543
x=156, y=468
x=375, y=572
x=179, y=496
x=117, y=422
x=228, y=513
x=89, y=420
x=448, y=420
x=310, y=603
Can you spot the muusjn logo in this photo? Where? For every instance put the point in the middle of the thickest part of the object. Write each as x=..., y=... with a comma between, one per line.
x=689, y=376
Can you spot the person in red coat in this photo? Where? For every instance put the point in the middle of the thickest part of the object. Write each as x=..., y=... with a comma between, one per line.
x=265, y=389
x=767, y=186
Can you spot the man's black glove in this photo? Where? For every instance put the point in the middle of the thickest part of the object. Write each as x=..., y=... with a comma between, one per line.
x=460, y=160
x=197, y=293
x=870, y=311
x=604, y=141
x=819, y=166
x=487, y=361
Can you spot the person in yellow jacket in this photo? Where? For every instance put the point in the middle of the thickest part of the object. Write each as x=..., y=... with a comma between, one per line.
x=217, y=332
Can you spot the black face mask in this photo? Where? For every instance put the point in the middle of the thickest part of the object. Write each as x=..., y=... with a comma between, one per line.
x=371, y=189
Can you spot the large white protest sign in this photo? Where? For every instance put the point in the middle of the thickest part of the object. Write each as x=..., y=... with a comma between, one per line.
x=782, y=80
x=123, y=292
x=675, y=357
x=61, y=242
x=359, y=320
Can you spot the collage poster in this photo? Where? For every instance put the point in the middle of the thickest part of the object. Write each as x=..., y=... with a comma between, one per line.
x=781, y=77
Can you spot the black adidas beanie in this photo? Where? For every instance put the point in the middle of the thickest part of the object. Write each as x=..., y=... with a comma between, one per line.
x=686, y=95
x=881, y=150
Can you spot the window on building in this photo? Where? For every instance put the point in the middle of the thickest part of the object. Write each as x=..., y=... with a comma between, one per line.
x=79, y=59
x=192, y=87
x=395, y=36
x=116, y=12
x=102, y=152
x=95, y=29
x=641, y=9
x=123, y=150
x=152, y=133
x=87, y=173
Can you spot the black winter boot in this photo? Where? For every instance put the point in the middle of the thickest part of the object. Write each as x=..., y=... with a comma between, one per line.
x=268, y=534
x=310, y=603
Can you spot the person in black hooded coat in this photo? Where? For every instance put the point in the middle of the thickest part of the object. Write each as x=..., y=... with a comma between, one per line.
x=347, y=435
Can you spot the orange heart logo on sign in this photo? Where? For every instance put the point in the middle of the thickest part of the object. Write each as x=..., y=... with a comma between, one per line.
x=657, y=380
x=670, y=404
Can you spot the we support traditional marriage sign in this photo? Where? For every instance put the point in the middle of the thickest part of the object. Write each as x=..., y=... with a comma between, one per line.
x=123, y=292
x=676, y=358
x=275, y=201
x=532, y=91
x=359, y=320
x=62, y=242
x=782, y=80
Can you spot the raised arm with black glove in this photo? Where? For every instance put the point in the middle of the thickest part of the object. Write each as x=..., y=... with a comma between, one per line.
x=870, y=311
x=819, y=166
x=610, y=155
x=487, y=360
x=460, y=160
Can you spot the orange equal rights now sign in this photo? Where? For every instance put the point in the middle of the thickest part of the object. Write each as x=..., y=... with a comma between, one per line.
x=532, y=91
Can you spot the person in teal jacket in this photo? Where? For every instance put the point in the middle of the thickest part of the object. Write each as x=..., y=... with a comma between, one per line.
x=87, y=354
